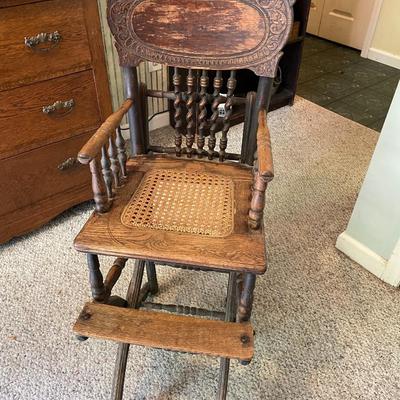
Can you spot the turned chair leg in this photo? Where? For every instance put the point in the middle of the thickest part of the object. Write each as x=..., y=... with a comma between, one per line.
x=96, y=283
x=246, y=300
x=246, y=297
x=152, y=277
x=96, y=278
x=230, y=313
x=132, y=298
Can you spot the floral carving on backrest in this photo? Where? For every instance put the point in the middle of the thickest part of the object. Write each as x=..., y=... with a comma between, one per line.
x=275, y=16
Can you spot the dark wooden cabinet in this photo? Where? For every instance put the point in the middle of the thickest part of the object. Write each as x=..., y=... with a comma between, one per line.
x=53, y=95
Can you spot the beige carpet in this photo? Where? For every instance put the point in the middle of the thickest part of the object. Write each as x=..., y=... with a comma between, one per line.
x=326, y=328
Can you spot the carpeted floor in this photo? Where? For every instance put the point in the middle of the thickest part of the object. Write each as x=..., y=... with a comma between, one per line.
x=326, y=328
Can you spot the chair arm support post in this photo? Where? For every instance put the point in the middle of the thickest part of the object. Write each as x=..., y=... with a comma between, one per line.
x=113, y=274
x=102, y=204
x=263, y=171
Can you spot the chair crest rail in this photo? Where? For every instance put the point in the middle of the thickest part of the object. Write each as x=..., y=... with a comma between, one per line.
x=223, y=35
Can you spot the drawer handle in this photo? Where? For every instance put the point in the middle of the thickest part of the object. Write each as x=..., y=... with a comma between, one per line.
x=59, y=108
x=34, y=41
x=342, y=14
x=68, y=163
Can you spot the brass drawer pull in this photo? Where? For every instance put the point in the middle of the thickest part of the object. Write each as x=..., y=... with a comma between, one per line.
x=59, y=107
x=68, y=163
x=43, y=38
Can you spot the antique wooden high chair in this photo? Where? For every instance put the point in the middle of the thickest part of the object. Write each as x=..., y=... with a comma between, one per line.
x=190, y=206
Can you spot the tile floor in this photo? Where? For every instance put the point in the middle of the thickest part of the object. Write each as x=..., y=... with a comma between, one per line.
x=338, y=78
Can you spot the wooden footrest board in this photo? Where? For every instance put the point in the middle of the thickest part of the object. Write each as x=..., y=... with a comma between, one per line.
x=166, y=331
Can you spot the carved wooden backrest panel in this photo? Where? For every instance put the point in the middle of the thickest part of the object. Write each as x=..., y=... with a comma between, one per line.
x=203, y=34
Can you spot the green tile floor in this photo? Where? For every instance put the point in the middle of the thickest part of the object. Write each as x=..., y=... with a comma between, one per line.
x=338, y=78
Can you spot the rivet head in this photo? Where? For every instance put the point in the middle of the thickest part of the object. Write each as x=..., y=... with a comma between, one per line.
x=244, y=339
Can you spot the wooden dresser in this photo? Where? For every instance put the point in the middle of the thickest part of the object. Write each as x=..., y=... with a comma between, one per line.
x=53, y=95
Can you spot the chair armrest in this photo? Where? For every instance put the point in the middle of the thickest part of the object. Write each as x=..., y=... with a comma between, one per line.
x=264, y=152
x=263, y=172
x=93, y=146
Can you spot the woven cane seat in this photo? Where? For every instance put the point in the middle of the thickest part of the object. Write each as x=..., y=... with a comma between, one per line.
x=195, y=203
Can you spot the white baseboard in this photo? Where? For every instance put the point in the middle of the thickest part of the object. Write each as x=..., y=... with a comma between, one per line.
x=391, y=274
x=387, y=270
x=361, y=254
x=384, y=57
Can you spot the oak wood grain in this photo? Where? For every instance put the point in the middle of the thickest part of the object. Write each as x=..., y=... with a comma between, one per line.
x=264, y=152
x=166, y=331
x=98, y=59
x=92, y=148
x=33, y=176
x=21, y=65
x=33, y=144
x=201, y=34
x=21, y=112
x=240, y=26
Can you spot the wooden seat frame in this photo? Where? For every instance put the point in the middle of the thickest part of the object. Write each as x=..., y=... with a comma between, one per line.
x=251, y=37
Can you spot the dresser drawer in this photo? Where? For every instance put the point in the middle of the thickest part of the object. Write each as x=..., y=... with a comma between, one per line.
x=23, y=123
x=64, y=49
x=39, y=174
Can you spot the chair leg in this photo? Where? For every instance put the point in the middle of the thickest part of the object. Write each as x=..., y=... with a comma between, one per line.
x=246, y=297
x=96, y=278
x=230, y=312
x=96, y=283
x=246, y=301
x=132, y=298
x=152, y=277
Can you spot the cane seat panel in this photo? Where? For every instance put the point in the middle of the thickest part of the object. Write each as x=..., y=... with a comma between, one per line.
x=181, y=201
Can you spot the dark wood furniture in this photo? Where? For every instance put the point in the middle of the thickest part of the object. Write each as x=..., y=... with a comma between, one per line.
x=194, y=205
x=288, y=74
x=53, y=95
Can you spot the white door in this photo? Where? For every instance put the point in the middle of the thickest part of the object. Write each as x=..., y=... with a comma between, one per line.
x=346, y=21
x=342, y=21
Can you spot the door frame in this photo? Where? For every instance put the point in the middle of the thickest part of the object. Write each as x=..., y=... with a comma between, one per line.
x=373, y=22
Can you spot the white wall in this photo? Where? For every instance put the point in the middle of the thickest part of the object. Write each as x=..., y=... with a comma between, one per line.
x=385, y=45
x=374, y=228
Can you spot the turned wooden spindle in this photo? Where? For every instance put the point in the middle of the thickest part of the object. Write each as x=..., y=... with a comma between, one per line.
x=113, y=155
x=246, y=297
x=106, y=171
x=204, y=80
x=113, y=274
x=190, y=104
x=177, y=80
x=121, y=149
x=96, y=278
x=217, y=83
x=231, y=85
x=99, y=192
